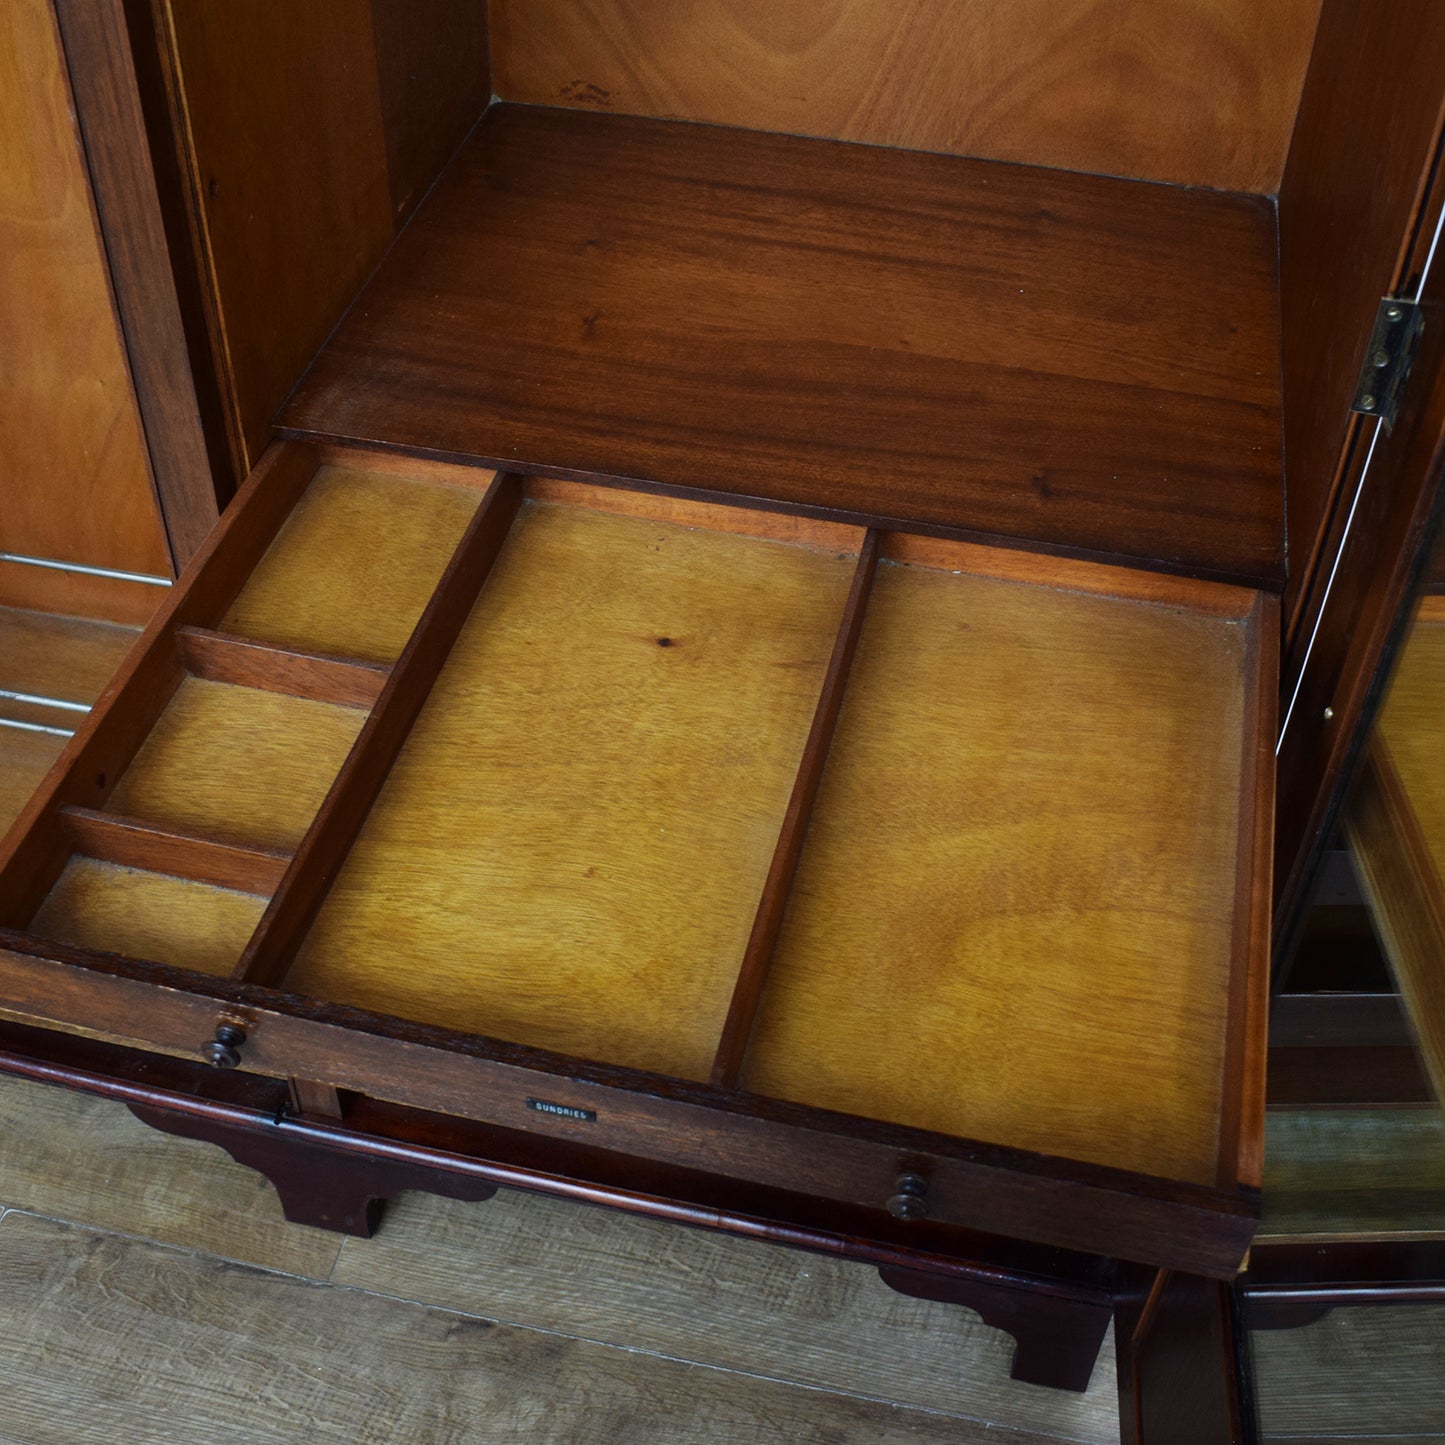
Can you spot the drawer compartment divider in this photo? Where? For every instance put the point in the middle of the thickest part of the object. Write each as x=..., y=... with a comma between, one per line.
x=157, y=848
x=245, y=662
x=99, y=755
x=297, y=900
x=753, y=974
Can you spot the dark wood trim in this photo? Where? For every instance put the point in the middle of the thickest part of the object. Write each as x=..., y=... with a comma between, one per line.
x=158, y=848
x=222, y=657
x=1292, y=1285
x=374, y=1129
x=768, y=921
x=34, y=851
x=834, y=1157
x=1350, y=204
x=1180, y=1376
x=108, y=108
x=1241, y=1149
x=1056, y=1340
x=318, y=1186
x=339, y=820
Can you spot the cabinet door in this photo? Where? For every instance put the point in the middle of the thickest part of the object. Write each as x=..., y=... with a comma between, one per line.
x=77, y=485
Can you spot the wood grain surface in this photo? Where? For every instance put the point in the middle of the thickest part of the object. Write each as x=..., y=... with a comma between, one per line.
x=278, y=115
x=757, y=958
x=308, y=131
x=238, y=763
x=1013, y=918
x=25, y=758
x=1358, y=1373
x=36, y=848
x=90, y=1161
x=1351, y=1173
x=1197, y=91
x=343, y=812
x=148, y=915
x=105, y=66
x=76, y=479
x=64, y=657
x=354, y=565
x=760, y=1309
x=256, y=1358
x=581, y=872
x=73, y=594
x=434, y=79
x=1081, y=363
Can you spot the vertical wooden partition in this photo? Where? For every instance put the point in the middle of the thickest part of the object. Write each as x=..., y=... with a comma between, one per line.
x=303, y=890
x=753, y=975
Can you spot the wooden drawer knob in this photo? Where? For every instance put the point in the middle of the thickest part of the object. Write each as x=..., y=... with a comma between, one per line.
x=224, y=1051
x=910, y=1201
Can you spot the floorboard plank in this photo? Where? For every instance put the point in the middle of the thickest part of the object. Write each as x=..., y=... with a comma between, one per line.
x=89, y=1160
x=105, y=1339
x=738, y=1304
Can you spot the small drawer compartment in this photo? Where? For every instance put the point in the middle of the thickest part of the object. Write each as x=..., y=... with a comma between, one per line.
x=238, y=763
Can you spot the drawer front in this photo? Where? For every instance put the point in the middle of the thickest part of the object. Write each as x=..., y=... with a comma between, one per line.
x=855, y=1162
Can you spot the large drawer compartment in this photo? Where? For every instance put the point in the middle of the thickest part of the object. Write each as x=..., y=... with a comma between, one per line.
x=779, y=849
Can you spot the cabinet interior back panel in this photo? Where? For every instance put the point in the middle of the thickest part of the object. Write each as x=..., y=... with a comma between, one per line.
x=1198, y=91
x=1013, y=916
x=570, y=849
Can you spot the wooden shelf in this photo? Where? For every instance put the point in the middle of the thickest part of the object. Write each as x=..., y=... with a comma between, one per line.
x=1075, y=363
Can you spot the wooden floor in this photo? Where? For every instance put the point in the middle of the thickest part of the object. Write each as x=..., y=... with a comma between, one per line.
x=152, y=1292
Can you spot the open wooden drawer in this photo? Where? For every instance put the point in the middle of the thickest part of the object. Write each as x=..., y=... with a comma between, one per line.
x=908, y=874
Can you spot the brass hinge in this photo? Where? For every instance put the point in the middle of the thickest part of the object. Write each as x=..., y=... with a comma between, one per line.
x=1387, y=359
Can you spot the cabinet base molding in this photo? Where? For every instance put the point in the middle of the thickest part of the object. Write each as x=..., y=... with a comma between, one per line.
x=1057, y=1337
x=325, y=1188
